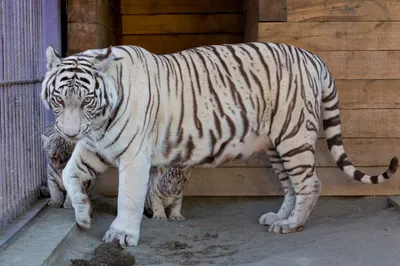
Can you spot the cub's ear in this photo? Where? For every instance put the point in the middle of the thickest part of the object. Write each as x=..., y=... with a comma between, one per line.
x=103, y=60
x=53, y=58
x=161, y=170
x=45, y=139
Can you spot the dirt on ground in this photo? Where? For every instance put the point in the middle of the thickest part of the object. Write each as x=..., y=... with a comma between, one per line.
x=225, y=231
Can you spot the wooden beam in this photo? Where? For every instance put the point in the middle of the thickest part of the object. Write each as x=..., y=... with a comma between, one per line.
x=131, y=7
x=262, y=182
x=322, y=36
x=343, y=10
x=161, y=44
x=251, y=14
x=272, y=10
x=182, y=23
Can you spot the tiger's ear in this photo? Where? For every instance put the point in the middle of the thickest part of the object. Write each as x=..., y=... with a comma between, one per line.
x=161, y=170
x=103, y=60
x=53, y=58
x=45, y=139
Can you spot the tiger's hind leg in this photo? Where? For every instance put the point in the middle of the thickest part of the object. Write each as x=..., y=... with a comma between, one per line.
x=290, y=196
x=299, y=163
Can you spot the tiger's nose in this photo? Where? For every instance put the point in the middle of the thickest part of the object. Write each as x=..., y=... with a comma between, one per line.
x=71, y=136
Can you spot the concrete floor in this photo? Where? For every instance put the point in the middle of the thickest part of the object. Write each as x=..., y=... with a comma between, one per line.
x=225, y=231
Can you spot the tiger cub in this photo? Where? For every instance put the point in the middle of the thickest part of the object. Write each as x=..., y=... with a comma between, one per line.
x=59, y=151
x=165, y=191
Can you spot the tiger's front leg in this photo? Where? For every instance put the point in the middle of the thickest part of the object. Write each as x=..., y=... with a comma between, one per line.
x=83, y=165
x=132, y=188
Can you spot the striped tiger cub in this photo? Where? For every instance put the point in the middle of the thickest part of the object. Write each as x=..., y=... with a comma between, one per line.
x=165, y=190
x=58, y=151
x=198, y=107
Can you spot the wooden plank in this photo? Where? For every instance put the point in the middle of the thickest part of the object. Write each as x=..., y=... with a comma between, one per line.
x=180, y=6
x=370, y=123
x=183, y=23
x=272, y=10
x=161, y=44
x=362, y=153
x=322, y=36
x=368, y=94
x=343, y=10
x=262, y=182
x=251, y=17
x=362, y=64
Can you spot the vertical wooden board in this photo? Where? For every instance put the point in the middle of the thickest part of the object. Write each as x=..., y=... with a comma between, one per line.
x=272, y=10
x=161, y=44
x=130, y=7
x=251, y=17
x=362, y=64
x=182, y=23
x=343, y=10
x=322, y=36
x=81, y=11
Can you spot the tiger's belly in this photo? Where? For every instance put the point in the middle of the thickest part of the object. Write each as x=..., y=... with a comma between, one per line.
x=205, y=155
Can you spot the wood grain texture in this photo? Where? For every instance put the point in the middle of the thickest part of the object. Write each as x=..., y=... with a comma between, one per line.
x=262, y=182
x=182, y=23
x=322, y=36
x=180, y=6
x=272, y=10
x=251, y=18
x=161, y=44
x=343, y=10
x=362, y=64
x=368, y=94
x=362, y=153
x=369, y=123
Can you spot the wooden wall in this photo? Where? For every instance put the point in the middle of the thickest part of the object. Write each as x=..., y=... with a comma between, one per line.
x=92, y=24
x=358, y=40
x=166, y=26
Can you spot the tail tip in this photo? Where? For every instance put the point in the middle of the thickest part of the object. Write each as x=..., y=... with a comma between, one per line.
x=394, y=163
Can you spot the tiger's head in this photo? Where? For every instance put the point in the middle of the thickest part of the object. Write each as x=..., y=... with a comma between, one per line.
x=173, y=179
x=58, y=150
x=79, y=91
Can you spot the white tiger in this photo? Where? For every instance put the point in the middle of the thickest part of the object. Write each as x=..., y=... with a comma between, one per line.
x=202, y=106
x=58, y=151
x=165, y=191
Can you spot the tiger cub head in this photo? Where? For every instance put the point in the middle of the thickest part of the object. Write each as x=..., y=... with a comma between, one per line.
x=58, y=150
x=173, y=179
x=80, y=92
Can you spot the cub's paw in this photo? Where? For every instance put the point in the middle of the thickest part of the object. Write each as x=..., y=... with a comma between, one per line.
x=44, y=191
x=124, y=238
x=269, y=218
x=285, y=227
x=54, y=204
x=177, y=217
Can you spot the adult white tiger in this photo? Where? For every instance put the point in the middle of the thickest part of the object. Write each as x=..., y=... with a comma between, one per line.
x=202, y=106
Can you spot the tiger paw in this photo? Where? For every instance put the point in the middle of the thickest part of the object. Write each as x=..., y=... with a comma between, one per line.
x=44, y=191
x=160, y=216
x=285, y=227
x=177, y=217
x=83, y=210
x=54, y=204
x=269, y=218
